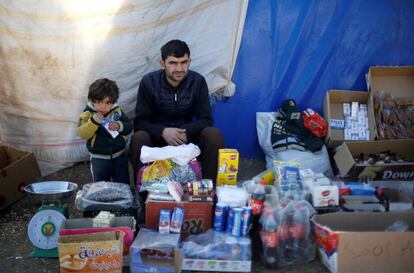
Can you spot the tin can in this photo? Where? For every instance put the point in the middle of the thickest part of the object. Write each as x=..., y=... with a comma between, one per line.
x=245, y=249
x=230, y=218
x=237, y=222
x=246, y=220
x=209, y=185
x=220, y=213
x=190, y=188
x=195, y=188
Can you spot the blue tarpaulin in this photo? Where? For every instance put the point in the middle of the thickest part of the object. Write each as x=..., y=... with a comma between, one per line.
x=300, y=49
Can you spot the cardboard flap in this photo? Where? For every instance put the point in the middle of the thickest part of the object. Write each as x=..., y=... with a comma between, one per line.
x=344, y=156
x=94, y=237
x=396, y=80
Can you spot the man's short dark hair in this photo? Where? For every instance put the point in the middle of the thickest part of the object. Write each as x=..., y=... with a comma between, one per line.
x=175, y=48
x=103, y=88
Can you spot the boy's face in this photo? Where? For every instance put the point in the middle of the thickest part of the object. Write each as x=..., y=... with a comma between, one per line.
x=102, y=106
x=176, y=69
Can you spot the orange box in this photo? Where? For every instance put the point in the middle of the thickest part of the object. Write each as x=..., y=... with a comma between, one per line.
x=92, y=253
x=198, y=216
x=228, y=165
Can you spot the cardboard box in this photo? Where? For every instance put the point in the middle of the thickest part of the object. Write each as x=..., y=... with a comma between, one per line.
x=395, y=80
x=333, y=110
x=198, y=216
x=77, y=226
x=17, y=169
x=93, y=253
x=358, y=242
x=346, y=164
x=228, y=164
x=156, y=253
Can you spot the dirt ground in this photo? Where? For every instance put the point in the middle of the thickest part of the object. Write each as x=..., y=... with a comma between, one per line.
x=16, y=246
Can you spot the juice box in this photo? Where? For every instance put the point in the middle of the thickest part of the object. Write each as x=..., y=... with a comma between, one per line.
x=228, y=165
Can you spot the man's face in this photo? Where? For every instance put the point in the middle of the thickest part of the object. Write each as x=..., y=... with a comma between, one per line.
x=176, y=69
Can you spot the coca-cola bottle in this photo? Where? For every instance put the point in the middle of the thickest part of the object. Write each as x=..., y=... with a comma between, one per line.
x=258, y=197
x=295, y=240
x=270, y=239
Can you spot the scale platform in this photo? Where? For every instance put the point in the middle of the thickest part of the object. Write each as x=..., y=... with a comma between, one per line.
x=43, y=229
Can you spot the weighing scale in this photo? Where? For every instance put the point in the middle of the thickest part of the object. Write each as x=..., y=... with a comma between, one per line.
x=43, y=229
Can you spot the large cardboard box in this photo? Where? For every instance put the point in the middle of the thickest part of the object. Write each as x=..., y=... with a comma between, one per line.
x=333, y=109
x=357, y=242
x=346, y=164
x=198, y=216
x=17, y=169
x=395, y=80
x=92, y=253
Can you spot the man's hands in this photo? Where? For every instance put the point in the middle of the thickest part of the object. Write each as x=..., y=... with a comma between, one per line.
x=174, y=136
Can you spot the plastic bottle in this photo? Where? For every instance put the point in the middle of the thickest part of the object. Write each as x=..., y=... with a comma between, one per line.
x=258, y=197
x=296, y=241
x=270, y=239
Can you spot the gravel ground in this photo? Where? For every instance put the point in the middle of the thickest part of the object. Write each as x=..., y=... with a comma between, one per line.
x=16, y=246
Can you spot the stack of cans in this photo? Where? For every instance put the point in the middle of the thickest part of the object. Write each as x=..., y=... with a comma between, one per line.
x=232, y=219
x=203, y=187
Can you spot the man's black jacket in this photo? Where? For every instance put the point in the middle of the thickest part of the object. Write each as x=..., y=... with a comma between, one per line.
x=160, y=105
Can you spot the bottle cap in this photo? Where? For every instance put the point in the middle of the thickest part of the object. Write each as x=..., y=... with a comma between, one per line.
x=262, y=182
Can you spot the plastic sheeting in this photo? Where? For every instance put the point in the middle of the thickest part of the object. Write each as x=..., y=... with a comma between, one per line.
x=51, y=51
x=300, y=49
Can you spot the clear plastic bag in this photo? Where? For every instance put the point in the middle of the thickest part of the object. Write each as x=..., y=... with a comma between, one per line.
x=104, y=195
x=216, y=245
x=398, y=226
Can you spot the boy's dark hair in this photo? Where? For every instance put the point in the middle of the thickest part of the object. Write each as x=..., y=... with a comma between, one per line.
x=103, y=88
x=176, y=48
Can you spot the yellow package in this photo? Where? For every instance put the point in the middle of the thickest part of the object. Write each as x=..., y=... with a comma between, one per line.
x=228, y=165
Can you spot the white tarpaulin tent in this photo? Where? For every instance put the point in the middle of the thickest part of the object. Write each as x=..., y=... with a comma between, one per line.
x=52, y=50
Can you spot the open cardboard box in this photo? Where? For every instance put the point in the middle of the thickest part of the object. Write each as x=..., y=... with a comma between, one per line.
x=77, y=226
x=357, y=241
x=344, y=159
x=17, y=169
x=333, y=109
x=93, y=253
x=395, y=80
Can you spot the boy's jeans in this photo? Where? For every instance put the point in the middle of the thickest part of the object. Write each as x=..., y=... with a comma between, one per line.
x=105, y=169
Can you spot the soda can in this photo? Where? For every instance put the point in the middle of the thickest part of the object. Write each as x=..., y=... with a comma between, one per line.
x=220, y=214
x=232, y=252
x=230, y=217
x=246, y=219
x=209, y=185
x=237, y=222
x=190, y=188
x=245, y=249
x=195, y=188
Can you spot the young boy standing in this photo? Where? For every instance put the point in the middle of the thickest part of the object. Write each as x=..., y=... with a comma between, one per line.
x=105, y=127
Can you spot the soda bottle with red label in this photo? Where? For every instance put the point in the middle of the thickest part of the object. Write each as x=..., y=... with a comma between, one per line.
x=270, y=239
x=258, y=197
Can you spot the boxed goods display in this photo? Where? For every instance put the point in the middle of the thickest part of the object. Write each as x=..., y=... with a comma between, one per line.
x=403, y=169
x=227, y=167
x=350, y=116
x=392, y=89
x=92, y=253
x=197, y=219
x=365, y=241
x=17, y=169
x=154, y=252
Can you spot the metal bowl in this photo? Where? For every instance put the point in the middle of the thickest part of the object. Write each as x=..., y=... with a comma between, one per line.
x=51, y=190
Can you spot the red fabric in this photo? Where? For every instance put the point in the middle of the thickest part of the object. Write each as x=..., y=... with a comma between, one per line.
x=315, y=123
